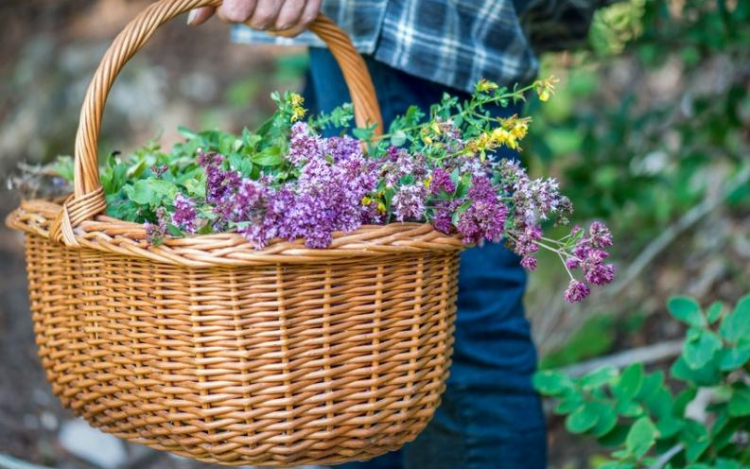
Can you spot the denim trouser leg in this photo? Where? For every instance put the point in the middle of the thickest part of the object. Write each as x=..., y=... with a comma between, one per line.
x=490, y=416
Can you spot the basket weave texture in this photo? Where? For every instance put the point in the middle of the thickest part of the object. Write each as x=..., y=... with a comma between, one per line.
x=211, y=349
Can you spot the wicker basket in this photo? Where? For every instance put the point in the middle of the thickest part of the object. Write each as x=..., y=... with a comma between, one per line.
x=210, y=349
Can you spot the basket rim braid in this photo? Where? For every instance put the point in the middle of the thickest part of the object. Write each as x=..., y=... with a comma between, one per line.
x=78, y=221
x=208, y=348
x=110, y=235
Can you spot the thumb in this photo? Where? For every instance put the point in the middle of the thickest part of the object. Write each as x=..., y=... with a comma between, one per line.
x=200, y=15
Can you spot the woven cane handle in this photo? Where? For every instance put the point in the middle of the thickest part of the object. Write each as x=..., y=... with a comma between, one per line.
x=89, y=200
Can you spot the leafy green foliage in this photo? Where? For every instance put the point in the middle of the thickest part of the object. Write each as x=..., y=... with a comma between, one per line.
x=640, y=160
x=639, y=416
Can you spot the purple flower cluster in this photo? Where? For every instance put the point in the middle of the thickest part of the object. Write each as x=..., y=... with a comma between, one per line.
x=155, y=232
x=589, y=256
x=185, y=215
x=334, y=177
x=328, y=185
x=485, y=216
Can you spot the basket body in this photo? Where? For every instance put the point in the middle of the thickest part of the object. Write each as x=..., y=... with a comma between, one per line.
x=271, y=365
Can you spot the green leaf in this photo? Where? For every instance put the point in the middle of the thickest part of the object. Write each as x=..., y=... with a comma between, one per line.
x=686, y=310
x=187, y=133
x=695, y=438
x=669, y=426
x=616, y=437
x=583, y=419
x=641, y=437
x=651, y=383
x=705, y=376
x=570, y=402
x=683, y=399
x=699, y=351
x=152, y=192
x=714, y=311
x=630, y=382
x=271, y=156
x=735, y=357
x=629, y=409
x=660, y=402
x=736, y=325
x=598, y=378
x=739, y=404
x=606, y=421
x=552, y=383
x=398, y=138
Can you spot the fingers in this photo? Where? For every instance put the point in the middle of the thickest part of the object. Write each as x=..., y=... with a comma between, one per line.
x=285, y=17
x=238, y=11
x=200, y=15
x=307, y=16
x=289, y=14
x=265, y=14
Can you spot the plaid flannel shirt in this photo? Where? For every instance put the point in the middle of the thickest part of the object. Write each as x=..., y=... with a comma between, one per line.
x=453, y=42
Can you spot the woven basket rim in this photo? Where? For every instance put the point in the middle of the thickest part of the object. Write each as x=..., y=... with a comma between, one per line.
x=231, y=249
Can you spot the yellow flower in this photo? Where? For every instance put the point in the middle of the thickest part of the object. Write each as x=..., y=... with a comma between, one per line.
x=296, y=101
x=426, y=138
x=428, y=181
x=485, y=86
x=520, y=128
x=546, y=88
x=502, y=136
x=366, y=201
x=381, y=208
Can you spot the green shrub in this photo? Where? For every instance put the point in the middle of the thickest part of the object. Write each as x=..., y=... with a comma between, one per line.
x=640, y=417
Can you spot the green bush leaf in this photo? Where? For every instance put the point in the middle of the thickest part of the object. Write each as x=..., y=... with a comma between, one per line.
x=739, y=404
x=687, y=310
x=695, y=438
x=598, y=378
x=735, y=357
x=552, y=383
x=713, y=313
x=705, y=376
x=583, y=419
x=669, y=426
x=630, y=382
x=641, y=437
x=606, y=422
x=699, y=351
x=736, y=325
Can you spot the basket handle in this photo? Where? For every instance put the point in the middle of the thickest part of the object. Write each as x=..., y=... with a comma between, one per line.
x=88, y=197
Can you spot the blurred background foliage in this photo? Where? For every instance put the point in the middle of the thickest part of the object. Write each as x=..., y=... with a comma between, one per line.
x=649, y=131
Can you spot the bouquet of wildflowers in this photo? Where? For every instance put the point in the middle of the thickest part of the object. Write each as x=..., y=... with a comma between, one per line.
x=288, y=181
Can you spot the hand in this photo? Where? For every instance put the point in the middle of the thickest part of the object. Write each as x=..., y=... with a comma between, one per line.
x=287, y=17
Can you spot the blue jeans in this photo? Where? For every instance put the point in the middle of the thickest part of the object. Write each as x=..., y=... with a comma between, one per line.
x=490, y=416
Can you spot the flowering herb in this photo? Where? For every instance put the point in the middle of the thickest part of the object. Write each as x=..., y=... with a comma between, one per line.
x=288, y=181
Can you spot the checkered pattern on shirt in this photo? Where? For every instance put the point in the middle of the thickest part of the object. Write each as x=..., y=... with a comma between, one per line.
x=452, y=42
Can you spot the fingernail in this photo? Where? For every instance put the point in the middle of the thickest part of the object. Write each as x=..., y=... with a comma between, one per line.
x=191, y=17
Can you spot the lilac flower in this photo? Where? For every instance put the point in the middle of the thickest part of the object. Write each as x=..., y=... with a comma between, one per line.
x=600, y=274
x=441, y=181
x=408, y=202
x=155, y=232
x=184, y=215
x=600, y=235
x=399, y=164
x=443, y=218
x=528, y=262
x=483, y=220
x=303, y=145
x=481, y=189
x=576, y=291
x=342, y=148
x=526, y=238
